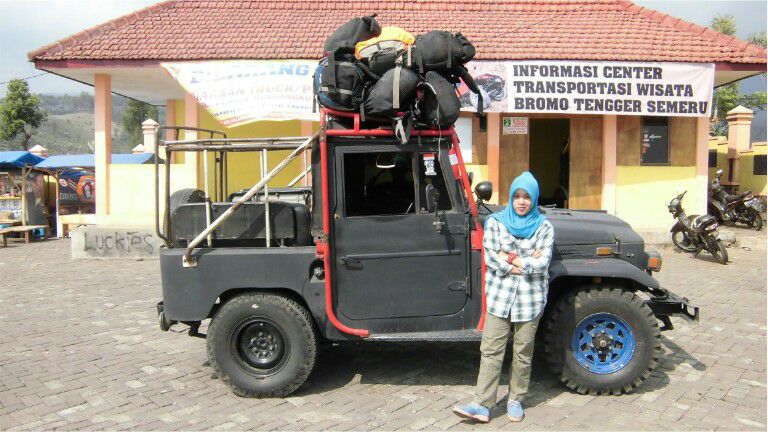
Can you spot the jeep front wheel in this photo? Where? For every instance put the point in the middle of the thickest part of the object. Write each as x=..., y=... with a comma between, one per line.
x=262, y=345
x=602, y=340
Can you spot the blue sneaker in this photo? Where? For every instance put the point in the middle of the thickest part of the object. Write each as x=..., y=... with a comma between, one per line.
x=515, y=411
x=473, y=411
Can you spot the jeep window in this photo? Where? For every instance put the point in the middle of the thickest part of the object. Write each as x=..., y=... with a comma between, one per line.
x=379, y=183
x=430, y=172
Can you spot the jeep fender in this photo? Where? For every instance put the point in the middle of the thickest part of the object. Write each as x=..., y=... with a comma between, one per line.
x=602, y=267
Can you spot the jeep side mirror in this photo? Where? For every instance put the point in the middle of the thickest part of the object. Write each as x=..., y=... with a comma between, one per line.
x=433, y=195
x=484, y=190
x=471, y=177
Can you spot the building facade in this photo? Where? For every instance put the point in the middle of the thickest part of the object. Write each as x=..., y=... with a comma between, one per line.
x=612, y=164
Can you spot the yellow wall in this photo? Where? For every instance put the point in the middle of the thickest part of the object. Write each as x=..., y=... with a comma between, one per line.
x=243, y=168
x=132, y=186
x=747, y=180
x=719, y=144
x=643, y=191
x=754, y=183
x=133, y=195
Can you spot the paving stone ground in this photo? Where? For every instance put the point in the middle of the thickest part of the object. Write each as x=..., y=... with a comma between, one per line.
x=80, y=349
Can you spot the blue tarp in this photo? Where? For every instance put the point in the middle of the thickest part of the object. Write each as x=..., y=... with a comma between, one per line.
x=18, y=159
x=88, y=160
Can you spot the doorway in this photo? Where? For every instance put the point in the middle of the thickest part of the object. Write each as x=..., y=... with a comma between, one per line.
x=549, y=159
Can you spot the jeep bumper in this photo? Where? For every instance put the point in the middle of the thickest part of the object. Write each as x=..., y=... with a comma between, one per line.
x=669, y=304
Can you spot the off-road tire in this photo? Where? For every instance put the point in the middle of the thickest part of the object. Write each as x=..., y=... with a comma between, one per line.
x=179, y=198
x=233, y=324
x=718, y=250
x=579, y=305
x=677, y=238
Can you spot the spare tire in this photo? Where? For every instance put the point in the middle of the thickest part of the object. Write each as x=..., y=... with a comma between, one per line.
x=179, y=198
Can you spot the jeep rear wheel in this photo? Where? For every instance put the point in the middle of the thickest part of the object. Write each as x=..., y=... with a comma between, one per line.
x=602, y=340
x=262, y=345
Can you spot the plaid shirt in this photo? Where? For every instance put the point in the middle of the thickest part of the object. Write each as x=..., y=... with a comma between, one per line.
x=517, y=297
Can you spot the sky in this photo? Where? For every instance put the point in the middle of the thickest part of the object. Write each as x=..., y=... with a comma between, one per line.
x=26, y=25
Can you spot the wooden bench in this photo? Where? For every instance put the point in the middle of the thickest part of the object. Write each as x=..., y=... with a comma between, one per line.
x=26, y=229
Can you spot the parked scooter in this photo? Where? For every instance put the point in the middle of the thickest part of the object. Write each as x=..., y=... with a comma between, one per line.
x=694, y=233
x=742, y=208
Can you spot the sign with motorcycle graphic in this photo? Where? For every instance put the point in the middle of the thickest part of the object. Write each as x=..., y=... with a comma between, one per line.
x=592, y=87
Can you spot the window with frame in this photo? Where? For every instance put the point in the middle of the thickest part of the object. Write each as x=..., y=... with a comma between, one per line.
x=379, y=183
x=759, y=165
x=655, y=141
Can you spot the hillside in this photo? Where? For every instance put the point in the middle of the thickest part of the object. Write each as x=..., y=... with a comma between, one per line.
x=73, y=134
x=69, y=127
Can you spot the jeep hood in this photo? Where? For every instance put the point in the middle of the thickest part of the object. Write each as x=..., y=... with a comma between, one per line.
x=580, y=227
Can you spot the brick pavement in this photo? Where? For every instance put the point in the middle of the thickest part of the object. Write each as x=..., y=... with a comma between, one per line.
x=80, y=349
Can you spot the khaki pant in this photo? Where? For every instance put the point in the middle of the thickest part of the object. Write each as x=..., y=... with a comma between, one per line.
x=495, y=337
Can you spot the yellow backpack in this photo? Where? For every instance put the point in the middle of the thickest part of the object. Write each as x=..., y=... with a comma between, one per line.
x=387, y=50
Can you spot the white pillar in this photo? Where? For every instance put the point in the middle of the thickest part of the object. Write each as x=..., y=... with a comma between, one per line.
x=149, y=128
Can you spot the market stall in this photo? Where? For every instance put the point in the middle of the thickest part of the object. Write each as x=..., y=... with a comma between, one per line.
x=23, y=195
x=76, y=186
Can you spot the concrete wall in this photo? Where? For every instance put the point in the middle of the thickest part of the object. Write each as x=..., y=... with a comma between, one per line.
x=114, y=242
x=749, y=181
x=719, y=144
x=642, y=190
x=132, y=191
x=132, y=186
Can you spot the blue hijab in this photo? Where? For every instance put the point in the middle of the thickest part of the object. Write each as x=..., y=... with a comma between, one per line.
x=522, y=226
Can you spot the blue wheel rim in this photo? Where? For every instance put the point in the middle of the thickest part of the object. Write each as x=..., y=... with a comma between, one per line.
x=603, y=343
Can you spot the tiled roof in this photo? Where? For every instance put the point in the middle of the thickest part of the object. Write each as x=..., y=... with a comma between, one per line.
x=500, y=29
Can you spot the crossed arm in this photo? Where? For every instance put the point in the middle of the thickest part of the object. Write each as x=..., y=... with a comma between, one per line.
x=496, y=259
x=517, y=263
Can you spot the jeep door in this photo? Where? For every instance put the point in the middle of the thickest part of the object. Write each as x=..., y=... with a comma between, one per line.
x=391, y=261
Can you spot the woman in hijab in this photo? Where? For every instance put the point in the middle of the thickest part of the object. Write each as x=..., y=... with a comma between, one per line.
x=518, y=245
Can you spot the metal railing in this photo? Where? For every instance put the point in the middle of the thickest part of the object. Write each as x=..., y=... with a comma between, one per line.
x=222, y=146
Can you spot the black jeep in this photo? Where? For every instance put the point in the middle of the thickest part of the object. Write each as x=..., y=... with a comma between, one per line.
x=386, y=245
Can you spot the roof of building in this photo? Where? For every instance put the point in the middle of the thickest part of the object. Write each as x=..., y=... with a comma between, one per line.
x=88, y=160
x=615, y=30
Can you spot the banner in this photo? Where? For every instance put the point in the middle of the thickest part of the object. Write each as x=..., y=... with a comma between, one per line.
x=237, y=92
x=590, y=87
x=76, y=187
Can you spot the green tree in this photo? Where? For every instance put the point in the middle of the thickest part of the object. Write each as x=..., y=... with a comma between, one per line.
x=728, y=97
x=758, y=39
x=724, y=23
x=20, y=113
x=134, y=116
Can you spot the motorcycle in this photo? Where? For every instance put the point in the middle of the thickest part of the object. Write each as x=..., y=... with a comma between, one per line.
x=694, y=233
x=742, y=208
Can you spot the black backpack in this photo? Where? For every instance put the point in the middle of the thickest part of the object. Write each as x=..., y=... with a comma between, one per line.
x=339, y=84
x=350, y=33
x=386, y=97
x=446, y=53
x=442, y=52
x=439, y=106
x=340, y=79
